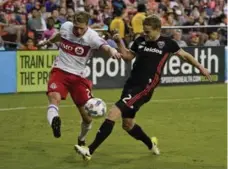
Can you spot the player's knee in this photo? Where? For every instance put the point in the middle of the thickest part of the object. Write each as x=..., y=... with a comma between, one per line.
x=54, y=98
x=127, y=124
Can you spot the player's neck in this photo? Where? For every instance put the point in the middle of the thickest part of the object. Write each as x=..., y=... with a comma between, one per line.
x=155, y=38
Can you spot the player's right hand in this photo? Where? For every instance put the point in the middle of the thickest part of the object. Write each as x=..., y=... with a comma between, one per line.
x=116, y=37
x=206, y=73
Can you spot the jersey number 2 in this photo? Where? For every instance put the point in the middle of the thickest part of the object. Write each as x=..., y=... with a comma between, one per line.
x=126, y=99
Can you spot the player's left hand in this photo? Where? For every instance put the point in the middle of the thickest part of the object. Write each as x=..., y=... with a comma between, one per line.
x=206, y=73
x=117, y=55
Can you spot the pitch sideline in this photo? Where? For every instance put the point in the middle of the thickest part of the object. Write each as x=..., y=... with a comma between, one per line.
x=109, y=103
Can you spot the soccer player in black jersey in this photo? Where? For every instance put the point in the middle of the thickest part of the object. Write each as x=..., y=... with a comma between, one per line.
x=151, y=51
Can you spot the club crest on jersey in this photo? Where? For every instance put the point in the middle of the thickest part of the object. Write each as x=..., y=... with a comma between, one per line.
x=161, y=44
x=53, y=86
x=79, y=50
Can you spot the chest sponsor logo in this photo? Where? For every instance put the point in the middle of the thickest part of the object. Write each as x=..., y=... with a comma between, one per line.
x=74, y=48
x=153, y=50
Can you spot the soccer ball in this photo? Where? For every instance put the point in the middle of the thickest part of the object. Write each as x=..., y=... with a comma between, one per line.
x=95, y=107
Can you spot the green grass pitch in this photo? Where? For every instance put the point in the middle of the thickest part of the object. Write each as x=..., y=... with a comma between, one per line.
x=189, y=121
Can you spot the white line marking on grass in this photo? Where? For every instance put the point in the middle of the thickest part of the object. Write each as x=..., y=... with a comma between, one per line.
x=109, y=103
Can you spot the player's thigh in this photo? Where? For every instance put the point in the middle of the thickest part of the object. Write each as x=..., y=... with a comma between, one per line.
x=131, y=100
x=114, y=113
x=57, y=83
x=80, y=91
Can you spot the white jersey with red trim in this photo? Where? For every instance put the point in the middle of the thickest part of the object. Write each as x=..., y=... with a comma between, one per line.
x=74, y=52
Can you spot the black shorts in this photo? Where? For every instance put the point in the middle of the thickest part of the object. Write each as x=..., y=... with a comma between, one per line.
x=132, y=98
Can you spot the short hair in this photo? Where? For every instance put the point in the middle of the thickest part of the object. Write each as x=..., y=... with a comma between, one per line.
x=81, y=17
x=141, y=8
x=153, y=21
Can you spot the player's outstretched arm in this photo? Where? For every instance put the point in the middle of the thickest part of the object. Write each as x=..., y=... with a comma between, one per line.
x=55, y=38
x=112, y=52
x=190, y=59
x=127, y=55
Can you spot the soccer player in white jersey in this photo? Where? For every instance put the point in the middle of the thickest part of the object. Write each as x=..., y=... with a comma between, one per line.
x=77, y=43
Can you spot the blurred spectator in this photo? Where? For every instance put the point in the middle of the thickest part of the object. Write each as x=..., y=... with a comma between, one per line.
x=9, y=5
x=137, y=20
x=222, y=32
x=213, y=40
x=1, y=44
x=96, y=20
x=10, y=27
x=30, y=5
x=118, y=24
x=62, y=15
x=108, y=37
x=194, y=39
x=34, y=13
x=107, y=13
x=36, y=22
x=30, y=45
x=93, y=3
x=47, y=34
x=177, y=35
x=70, y=18
x=55, y=16
x=51, y=5
x=79, y=5
x=169, y=21
x=44, y=13
x=118, y=5
x=70, y=12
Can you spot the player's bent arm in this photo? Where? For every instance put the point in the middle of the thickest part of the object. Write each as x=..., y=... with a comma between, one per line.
x=112, y=52
x=108, y=49
x=188, y=58
x=55, y=38
x=127, y=55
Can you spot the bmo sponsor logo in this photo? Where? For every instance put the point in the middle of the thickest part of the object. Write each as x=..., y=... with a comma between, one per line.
x=66, y=47
x=74, y=48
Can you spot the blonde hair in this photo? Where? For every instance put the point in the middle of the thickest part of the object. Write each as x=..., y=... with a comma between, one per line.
x=81, y=17
x=153, y=21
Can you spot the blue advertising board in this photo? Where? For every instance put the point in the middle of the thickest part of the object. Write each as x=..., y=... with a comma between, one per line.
x=8, y=72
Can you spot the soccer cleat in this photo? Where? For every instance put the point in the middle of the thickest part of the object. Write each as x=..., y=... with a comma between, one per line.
x=155, y=148
x=81, y=143
x=84, y=152
x=56, y=124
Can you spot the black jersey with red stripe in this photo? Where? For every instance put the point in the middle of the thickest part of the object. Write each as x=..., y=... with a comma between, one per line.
x=150, y=58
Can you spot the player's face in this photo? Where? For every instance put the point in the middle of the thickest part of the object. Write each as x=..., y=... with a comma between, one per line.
x=79, y=29
x=149, y=33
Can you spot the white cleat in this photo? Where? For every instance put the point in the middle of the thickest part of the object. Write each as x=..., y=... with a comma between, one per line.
x=155, y=148
x=84, y=151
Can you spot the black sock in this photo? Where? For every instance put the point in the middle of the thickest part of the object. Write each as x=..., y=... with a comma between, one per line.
x=102, y=134
x=139, y=134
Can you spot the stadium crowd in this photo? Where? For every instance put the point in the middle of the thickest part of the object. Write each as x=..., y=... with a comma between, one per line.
x=26, y=23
